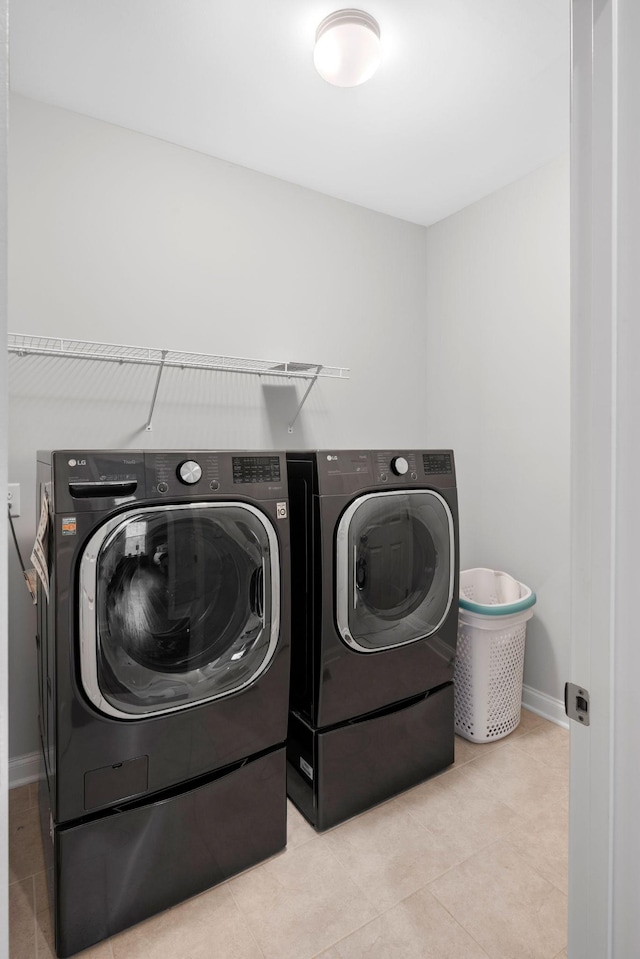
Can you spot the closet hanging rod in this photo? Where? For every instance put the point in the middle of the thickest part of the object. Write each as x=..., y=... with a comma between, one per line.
x=25, y=345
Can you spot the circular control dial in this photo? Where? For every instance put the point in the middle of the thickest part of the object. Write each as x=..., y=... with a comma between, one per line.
x=189, y=472
x=399, y=465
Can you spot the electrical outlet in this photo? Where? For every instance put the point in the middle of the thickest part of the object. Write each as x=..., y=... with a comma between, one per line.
x=14, y=498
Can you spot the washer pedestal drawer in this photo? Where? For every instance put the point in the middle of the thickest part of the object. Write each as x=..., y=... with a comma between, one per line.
x=126, y=864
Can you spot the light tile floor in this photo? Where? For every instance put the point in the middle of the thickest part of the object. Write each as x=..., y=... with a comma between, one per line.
x=469, y=865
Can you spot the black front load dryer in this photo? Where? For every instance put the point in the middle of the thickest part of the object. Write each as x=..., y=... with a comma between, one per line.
x=164, y=677
x=374, y=550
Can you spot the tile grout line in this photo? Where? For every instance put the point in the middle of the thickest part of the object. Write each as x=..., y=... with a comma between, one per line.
x=243, y=916
x=35, y=918
x=526, y=862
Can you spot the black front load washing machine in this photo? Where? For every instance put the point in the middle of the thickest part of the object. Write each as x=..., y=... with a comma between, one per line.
x=374, y=559
x=163, y=677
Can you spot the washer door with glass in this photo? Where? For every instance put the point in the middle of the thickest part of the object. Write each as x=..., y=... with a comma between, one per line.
x=178, y=605
x=395, y=566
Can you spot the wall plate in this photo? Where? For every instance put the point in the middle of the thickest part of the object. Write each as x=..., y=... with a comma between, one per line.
x=13, y=498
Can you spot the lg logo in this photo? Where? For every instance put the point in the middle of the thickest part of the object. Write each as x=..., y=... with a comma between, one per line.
x=77, y=462
x=331, y=457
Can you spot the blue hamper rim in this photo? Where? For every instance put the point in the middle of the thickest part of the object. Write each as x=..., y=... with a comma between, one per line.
x=498, y=609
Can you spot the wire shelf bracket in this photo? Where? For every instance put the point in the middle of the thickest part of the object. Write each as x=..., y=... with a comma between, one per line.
x=303, y=400
x=27, y=345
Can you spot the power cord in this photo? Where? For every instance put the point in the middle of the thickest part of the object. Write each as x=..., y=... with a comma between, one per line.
x=29, y=575
x=15, y=541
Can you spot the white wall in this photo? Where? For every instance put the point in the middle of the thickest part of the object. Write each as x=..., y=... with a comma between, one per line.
x=497, y=378
x=118, y=237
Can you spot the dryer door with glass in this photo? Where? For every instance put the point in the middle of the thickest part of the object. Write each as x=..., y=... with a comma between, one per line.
x=178, y=605
x=395, y=569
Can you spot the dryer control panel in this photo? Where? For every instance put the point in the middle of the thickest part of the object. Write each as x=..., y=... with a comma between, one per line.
x=344, y=471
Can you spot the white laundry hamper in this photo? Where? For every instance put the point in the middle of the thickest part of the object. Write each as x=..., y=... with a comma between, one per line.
x=492, y=623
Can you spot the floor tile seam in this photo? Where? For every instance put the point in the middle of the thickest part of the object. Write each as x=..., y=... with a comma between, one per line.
x=526, y=753
x=390, y=908
x=243, y=915
x=31, y=875
x=530, y=865
x=350, y=931
x=40, y=934
x=459, y=924
x=483, y=788
x=359, y=887
x=254, y=867
x=299, y=845
x=46, y=906
x=512, y=838
x=513, y=744
x=528, y=817
x=421, y=826
x=377, y=918
x=364, y=894
x=337, y=942
x=496, y=785
x=459, y=862
x=33, y=917
x=435, y=835
x=516, y=808
x=457, y=921
x=529, y=862
x=479, y=755
x=425, y=888
x=459, y=763
x=476, y=852
x=476, y=760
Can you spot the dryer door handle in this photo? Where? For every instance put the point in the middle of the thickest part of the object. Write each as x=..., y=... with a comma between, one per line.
x=359, y=575
x=256, y=592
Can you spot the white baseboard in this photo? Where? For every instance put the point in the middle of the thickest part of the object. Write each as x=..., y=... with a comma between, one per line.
x=546, y=706
x=24, y=769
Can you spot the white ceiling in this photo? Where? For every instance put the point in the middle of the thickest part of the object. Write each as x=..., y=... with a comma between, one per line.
x=471, y=94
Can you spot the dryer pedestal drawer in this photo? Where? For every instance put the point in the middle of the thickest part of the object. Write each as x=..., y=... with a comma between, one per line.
x=337, y=773
x=126, y=865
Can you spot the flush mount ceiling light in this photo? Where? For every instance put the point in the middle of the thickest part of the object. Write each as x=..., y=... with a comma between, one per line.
x=347, y=50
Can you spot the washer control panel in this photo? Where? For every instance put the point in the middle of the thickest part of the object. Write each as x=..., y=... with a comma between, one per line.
x=394, y=466
x=197, y=474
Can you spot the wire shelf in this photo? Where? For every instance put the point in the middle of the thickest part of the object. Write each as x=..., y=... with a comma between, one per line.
x=26, y=345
